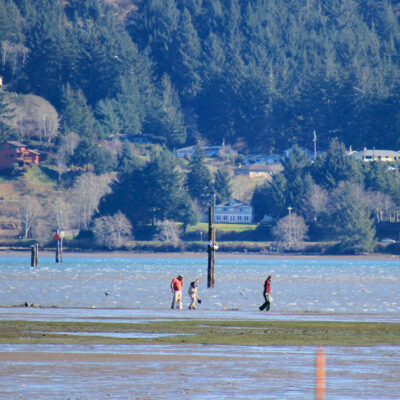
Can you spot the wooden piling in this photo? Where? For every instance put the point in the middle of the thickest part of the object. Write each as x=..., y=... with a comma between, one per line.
x=211, y=250
x=59, y=255
x=34, y=255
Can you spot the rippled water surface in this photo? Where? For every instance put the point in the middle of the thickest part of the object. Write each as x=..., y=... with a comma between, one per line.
x=300, y=285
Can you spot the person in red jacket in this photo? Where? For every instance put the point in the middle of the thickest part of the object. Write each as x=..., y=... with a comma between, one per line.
x=267, y=294
x=176, y=287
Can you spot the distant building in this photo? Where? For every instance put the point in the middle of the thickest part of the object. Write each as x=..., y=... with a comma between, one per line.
x=209, y=151
x=233, y=212
x=375, y=155
x=136, y=138
x=12, y=152
x=262, y=158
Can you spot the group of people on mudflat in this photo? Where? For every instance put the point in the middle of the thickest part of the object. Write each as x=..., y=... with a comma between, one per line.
x=176, y=288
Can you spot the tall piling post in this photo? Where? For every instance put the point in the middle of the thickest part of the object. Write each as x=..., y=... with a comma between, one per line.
x=34, y=255
x=211, y=250
x=58, y=252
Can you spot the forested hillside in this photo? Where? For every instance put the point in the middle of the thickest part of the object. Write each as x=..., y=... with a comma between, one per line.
x=262, y=74
x=105, y=91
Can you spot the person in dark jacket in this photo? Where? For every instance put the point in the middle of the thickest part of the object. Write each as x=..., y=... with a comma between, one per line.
x=267, y=294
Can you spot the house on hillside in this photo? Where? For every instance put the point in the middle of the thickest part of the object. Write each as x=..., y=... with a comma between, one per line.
x=375, y=155
x=12, y=152
x=209, y=151
x=233, y=212
x=136, y=138
x=262, y=159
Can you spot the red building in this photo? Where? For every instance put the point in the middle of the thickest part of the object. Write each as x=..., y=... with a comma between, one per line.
x=12, y=152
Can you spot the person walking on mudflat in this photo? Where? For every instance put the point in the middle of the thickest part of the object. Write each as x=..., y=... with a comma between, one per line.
x=192, y=291
x=267, y=294
x=176, y=287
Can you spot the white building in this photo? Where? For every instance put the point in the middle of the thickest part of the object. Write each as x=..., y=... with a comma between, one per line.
x=233, y=212
x=375, y=155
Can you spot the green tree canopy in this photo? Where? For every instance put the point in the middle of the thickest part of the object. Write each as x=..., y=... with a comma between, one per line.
x=199, y=180
x=351, y=222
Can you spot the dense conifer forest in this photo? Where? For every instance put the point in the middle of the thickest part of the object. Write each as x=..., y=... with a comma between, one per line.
x=260, y=73
x=261, y=76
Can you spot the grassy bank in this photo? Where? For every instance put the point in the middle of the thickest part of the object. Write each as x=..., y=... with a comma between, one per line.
x=298, y=333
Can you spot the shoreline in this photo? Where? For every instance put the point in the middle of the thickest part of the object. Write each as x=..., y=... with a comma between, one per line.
x=130, y=254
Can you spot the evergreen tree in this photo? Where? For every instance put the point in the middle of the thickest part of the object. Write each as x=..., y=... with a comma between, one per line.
x=6, y=132
x=90, y=155
x=336, y=166
x=166, y=119
x=199, y=180
x=128, y=106
x=189, y=65
x=11, y=23
x=352, y=223
x=108, y=121
x=222, y=185
x=149, y=194
x=127, y=161
x=299, y=184
x=77, y=116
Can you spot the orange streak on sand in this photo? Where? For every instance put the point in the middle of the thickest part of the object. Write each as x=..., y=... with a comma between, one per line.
x=320, y=375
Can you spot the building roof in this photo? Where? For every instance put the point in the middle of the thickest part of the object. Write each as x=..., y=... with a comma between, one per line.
x=379, y=153
x=233, y=203
x=205, y=148
x=15, y=143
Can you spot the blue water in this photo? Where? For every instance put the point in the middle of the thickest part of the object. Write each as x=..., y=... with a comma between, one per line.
x=299, y=285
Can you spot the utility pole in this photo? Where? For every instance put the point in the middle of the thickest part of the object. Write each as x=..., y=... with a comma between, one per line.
x=211, y=250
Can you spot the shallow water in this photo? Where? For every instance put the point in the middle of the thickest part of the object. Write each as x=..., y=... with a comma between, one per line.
x=299, y=285
x=138, y=288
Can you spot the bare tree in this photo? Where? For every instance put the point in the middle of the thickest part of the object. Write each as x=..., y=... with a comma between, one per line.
x=29, y=212
x=168, y=232
x=13, y=54
x=381, y=205
x=317, y=203
x=34, y=117
x=61, y=162
x=112, y=231
x=87, y=191
x=290, y=231
x=69, y=142
x=42, y=230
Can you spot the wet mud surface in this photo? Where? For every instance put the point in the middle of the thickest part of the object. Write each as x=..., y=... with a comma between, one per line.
x=195, y=372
